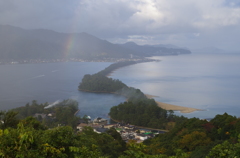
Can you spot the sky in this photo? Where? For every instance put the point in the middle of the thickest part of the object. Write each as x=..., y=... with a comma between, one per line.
x=185, y=23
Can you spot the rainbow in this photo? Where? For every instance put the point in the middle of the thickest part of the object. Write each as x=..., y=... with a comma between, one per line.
x=70, y=41
x=69, y=45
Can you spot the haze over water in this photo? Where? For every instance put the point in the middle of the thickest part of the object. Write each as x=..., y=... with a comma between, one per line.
x=205, y=81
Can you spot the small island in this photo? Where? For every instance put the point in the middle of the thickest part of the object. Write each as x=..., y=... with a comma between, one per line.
x=139, y=109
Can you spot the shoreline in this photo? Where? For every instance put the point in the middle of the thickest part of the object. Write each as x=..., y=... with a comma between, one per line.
x=167, y=106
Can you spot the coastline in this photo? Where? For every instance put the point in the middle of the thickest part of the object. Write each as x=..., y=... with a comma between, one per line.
x=167, y=106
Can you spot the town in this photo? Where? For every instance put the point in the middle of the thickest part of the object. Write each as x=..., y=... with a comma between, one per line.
x=127, y=131
x=34, y=61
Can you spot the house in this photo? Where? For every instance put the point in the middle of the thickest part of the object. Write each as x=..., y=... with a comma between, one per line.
x=100, y=121
x=149, y=134
x=119, y=130
x=88, y=117
x=100, y=130
x=50, y=115
x=38, y=115
x=141, y=136
x=81, y=125
x=97, y=128
x=109, y=126
x=144, y=130
x=132, y=127
x=119, y=124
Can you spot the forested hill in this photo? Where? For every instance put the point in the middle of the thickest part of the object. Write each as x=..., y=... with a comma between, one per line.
x=100, y=83
x=195, y=138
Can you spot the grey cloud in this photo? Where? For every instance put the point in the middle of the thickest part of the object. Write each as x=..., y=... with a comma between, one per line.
x=186, y=23
x=232, y=3
x=35, y=14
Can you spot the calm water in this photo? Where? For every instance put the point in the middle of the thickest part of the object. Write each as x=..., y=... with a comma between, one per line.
x=20, y=84
x=204, y=81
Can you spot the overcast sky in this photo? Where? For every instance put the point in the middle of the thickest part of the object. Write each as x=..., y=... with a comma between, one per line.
x=185, y=23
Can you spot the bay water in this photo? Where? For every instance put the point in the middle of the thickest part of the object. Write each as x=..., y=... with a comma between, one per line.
x=210, y=82
x=50, y=82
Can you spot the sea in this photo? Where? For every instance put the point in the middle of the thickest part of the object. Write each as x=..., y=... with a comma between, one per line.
x=206, y=81
x=210, y=82
x=51, y=82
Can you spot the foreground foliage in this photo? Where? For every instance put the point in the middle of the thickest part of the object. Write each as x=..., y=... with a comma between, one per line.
x=200, y=138
x=191, y=138
x=60, y=113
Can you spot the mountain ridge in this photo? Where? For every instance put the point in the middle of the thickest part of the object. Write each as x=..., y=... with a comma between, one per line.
x=19, y=44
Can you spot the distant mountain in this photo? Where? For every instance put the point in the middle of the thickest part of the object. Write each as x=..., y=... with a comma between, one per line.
x=164, y=45
x=154, y=50
x=18, y=44
x=209, y=50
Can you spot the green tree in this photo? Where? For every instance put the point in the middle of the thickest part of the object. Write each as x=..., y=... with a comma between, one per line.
x=225, y=150
x=8, y=119
x=33, y=122
x=193, y=140
x=110, y=145
x=22, y=142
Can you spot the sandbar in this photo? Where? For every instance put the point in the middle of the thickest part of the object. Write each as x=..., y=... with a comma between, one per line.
x=167, y=106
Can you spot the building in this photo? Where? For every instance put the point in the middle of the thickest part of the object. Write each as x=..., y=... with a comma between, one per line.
x=38, y=115
x=99, y=121
x=81, y=125
x=100, y=130
x=141, y=137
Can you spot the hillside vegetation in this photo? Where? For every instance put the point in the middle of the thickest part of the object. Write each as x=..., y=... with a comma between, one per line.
x=191, y=138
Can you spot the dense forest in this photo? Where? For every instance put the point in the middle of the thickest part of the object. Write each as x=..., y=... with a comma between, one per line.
x=100, y=83
x=216, y=138
x=190, y=138
x=145, y=112
x=30, y=139
x=62, y=113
